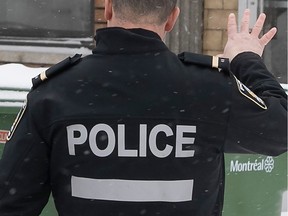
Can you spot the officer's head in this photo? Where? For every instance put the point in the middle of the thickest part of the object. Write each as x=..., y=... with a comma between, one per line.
x=159, y=14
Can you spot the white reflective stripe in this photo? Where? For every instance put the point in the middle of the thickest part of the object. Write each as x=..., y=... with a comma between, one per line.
x=132, y=190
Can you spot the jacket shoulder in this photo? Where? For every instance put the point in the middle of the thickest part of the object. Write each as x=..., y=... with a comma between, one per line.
x=55, y=69
x=220, y=63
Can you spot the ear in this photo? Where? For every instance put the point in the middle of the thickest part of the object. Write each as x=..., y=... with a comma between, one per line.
x=172, y=19
x=108, y=10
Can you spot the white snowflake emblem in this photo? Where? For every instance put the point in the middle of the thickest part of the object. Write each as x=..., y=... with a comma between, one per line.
x=269, y=164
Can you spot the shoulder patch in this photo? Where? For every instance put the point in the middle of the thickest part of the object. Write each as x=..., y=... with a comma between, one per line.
x=52, y=71
x=223, y=64
x=245, y=91
x=17, y=120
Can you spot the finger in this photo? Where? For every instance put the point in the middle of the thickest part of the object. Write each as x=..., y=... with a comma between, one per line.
x=268, y=36
x=232, y=25
x=258, y=25
x=245, y=21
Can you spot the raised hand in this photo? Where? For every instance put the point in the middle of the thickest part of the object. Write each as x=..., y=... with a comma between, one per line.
x=244, y=41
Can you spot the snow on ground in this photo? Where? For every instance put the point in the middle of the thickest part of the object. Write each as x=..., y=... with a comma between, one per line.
x=15, y=82
x=17, y=76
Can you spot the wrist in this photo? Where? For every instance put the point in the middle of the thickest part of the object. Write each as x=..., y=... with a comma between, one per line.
x=242, y=61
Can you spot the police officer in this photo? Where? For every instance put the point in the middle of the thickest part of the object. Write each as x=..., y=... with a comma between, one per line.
x=134, y=129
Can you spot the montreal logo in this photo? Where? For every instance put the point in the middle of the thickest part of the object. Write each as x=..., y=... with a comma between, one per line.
x=257, y=165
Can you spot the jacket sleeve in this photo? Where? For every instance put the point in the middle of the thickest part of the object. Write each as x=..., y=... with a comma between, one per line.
x=258, y=111
x=24, y=179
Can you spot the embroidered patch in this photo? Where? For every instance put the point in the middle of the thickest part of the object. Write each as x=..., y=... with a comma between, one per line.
x=244, y=90
x=3, y=136
x=17, y=120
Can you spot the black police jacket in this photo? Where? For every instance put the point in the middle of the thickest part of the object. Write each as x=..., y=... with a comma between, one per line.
x=134, y=129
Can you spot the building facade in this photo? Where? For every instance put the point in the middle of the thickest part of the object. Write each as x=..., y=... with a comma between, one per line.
x=44, y=32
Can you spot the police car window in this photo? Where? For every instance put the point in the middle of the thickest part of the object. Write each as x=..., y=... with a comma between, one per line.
x=43, y=19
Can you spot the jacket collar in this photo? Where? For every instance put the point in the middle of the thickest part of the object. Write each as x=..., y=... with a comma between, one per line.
x=118, y=40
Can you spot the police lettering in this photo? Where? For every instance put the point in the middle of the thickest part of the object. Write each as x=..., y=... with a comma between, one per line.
x=184, y=136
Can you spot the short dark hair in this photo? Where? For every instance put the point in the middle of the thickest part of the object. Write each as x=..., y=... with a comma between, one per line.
x=134, y=10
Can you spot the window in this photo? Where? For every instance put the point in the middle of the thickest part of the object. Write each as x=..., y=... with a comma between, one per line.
x=46, y=22
x=275, y=55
